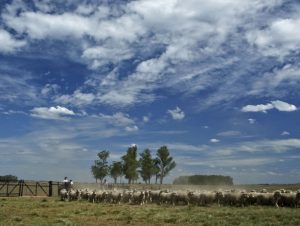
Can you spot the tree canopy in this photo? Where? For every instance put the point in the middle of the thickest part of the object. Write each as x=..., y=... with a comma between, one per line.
x=116, y=170
x=8, y=178
x=165, y=162
x=130, y=164
x=131, y=168
x=100, y=169
x=147, y=165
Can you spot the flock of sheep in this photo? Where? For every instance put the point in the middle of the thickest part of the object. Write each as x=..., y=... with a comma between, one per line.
x=279, y=198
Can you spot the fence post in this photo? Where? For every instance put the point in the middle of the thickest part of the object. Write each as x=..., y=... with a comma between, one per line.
x=58, y=187
x=50, y=189
x=7, y=194
x=22, y=182
x=20, y=187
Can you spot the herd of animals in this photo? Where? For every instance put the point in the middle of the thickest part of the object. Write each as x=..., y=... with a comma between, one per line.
x=241, y=198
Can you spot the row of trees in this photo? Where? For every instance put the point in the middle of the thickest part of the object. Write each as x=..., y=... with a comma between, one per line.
x=8, y=178
x=131, y=167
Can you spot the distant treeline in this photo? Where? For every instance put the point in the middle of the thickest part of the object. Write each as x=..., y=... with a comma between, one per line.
x=204, y=180
x=8, y=178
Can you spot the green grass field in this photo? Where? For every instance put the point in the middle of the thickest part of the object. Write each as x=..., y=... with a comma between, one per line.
x=52, y=211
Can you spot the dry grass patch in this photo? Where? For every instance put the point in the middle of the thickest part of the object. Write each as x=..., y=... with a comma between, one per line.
x=51, y=211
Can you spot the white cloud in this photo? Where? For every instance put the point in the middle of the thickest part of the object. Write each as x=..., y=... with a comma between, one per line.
x=183, y=47
x=257, y=108
x=16, y=87
x=40, y=25
x=279, y=80
x=283, y=106
x=279, y=105
x=185, y=33
x=177, y=114
x=280, y=38
x=50, y=89
x=230, y=133
x=57, y=112
x=120, y=120
x=214, y=140
x=131, y=129
x=100, y=55
x=146, y=119
x=8, y=43
x=285, y=133
x=77, y=98
x=251, y=120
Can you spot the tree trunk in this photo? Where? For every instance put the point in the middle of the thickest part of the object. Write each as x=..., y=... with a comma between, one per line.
x=161, y=177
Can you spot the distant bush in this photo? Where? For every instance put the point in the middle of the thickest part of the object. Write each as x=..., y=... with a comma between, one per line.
x=8, y=178
x=204, y=180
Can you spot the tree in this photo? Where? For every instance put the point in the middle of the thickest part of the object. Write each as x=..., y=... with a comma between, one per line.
x=8, y=178
x=100, y=169
x=130, y=164
x=147, y=166
x=165, y=162
x=116, y=170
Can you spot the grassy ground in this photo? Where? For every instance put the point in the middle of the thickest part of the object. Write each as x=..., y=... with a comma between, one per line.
x=51, y=211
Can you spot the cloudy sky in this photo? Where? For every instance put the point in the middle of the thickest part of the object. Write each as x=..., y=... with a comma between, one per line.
x=216, y=81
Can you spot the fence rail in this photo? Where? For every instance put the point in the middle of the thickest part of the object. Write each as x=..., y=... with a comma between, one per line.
x=29, y=188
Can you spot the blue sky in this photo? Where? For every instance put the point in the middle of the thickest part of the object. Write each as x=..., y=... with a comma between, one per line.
x=216, y=81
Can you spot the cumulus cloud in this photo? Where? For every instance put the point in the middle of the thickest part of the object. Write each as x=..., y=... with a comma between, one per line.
x=98, y=56
x=279, y=105
x=177, y=114
x=283, y=106
x=57, y=113
x=257, y=108
x=280, y=38
x=214, y=140
x=8, y=43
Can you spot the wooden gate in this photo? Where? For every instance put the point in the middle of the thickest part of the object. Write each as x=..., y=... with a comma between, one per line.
x=9, y=189
x=29, y=188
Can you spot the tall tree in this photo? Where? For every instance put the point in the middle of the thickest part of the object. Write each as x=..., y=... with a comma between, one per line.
x=165, y=162
x=100, y=169
x=130, y=164
x=116, y=170
x=147, y=166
